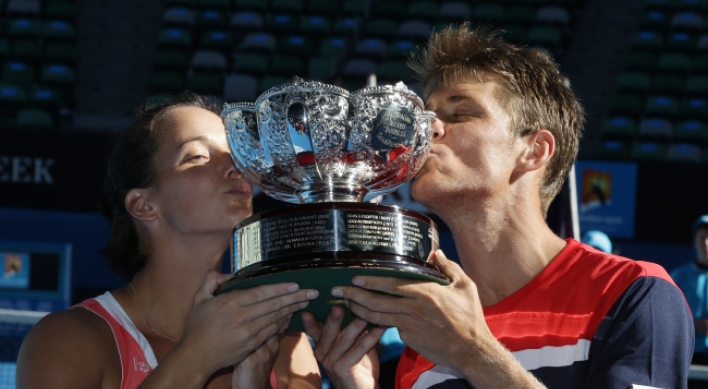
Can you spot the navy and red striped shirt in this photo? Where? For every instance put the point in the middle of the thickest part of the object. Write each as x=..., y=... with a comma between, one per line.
x=588, y=320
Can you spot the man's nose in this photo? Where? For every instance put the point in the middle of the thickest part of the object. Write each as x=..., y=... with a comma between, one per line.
x=438, y=130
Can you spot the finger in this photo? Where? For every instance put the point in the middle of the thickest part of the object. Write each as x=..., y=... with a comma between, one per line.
x=388, y=319
x=312, y=327
x=389, y=285
x=347, y=338
x=280, y=316
x=446, y=266
x=362, y=346
x=372, y=300
x=329, y=332
x=289, y=302
x=210, y=284
x=263, y=292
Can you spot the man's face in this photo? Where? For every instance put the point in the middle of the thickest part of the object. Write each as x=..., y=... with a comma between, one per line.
x=473, y=150
x=700, y=242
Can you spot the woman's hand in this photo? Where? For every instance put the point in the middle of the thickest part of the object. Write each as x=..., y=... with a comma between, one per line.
x=348, y=355
x=225, y=330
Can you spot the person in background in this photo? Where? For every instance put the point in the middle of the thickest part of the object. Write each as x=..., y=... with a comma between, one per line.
x=526, y=308
x=598, y=240
x=172, y=197
x=692, y=278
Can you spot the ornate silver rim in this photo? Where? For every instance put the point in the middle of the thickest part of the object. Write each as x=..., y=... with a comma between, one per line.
x=399, y=88
x=301, y=85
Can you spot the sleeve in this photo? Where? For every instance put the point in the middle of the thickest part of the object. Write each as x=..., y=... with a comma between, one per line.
x=646, y=339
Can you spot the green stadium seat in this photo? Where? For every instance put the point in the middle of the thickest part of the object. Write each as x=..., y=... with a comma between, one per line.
x=390, y=9
x=674, y=62
x=634, y=82
x=692, y=131
x=615, y=150
x=246, y=21
x=221, y=5
x=696, y=85
x=545, y=36
x=61, y=10
x=315, y=25
x=174, y=37
x=240, y=87
x=619, y=127
x=655, y=128
x=58, y=30
x=220, y=40
x=61, y=52
x=669, y=84
x=251, y=5
x=521, y=14
x=270, y=81
x=627, y=104
x=295, y=45
x=18, y=73
x=288, y=65
x=645, y=61
x=206, y=82
x=400, y=49
x=27, y=49
x=649, y=151
x=380, y=28
x=684, y=153
x=282, y=24
x=170, y=59
x=357, y=8
x=250, y=63
x=647, y=40
x=374, y=48
x=655, y=20
x=346, y=25
x=167, y=81
x=699, y=64
x=46, y=98
x=680, y=41
x=322, y=7
x=694, y=108
x=320, y=68
x=661, y=106
x=287, y=6
x=423, y=10
x=489, y=13
x=661, y=5
x=34, y=119
x=392, y=71
x=178, y=17
x=24, y=28
x=211, y=19
x=333, y=46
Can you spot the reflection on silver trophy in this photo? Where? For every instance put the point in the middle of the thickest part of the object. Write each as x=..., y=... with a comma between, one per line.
x=331, y=151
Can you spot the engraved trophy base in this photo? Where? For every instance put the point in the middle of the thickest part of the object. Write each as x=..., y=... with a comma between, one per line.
x=323, y=245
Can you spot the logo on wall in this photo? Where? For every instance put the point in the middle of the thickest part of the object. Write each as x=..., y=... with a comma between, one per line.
x=596, y=189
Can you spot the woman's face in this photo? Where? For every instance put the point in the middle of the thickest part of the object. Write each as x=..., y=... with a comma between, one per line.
x=196, y=187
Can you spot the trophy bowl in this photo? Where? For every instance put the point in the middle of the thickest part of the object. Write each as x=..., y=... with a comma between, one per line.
x=330, y=152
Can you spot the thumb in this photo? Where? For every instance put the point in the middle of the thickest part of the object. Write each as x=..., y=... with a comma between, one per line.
x=210, y=285
x=444, y=265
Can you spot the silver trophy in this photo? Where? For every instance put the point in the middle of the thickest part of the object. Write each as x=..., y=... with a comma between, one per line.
x=330, y=151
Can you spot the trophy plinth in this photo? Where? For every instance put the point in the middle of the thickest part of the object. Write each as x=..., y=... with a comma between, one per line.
x=330, y=151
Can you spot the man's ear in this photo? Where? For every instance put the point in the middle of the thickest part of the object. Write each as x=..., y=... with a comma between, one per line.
x=139, y=205
x=540, y=147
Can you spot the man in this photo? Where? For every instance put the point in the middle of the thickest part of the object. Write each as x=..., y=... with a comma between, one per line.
x=530, y=310
x=692, y=278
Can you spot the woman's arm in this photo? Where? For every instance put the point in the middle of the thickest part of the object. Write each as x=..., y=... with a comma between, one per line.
x=69, y=349
x=296, y=366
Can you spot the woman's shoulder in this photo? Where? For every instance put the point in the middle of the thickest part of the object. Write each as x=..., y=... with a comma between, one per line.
x=71, y=344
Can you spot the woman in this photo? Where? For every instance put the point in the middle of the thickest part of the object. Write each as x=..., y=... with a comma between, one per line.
x=173, y=197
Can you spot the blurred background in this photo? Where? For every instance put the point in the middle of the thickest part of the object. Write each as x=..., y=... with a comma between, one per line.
x=71, y=72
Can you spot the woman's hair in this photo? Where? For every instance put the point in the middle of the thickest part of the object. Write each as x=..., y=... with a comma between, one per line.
x=533, y=91
x=131, y=165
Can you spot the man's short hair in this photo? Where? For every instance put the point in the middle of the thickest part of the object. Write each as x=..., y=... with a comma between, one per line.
x=534, y=92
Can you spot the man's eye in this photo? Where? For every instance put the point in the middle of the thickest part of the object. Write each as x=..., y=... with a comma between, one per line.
x=196, y=157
